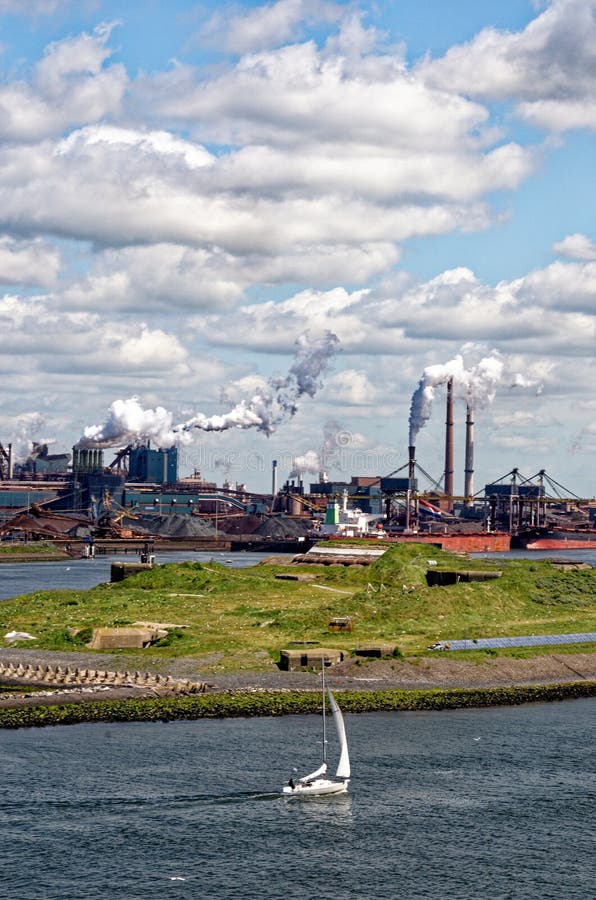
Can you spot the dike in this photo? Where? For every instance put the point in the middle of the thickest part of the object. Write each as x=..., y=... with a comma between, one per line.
x=238, y=704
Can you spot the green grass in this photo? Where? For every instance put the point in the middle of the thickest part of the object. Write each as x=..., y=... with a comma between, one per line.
x=260, y=703
x=31, y=548
x=241, y=617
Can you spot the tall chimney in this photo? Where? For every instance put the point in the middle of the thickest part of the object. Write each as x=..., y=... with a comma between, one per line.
x=274, y=478
x=469, y=470
x=411, y=462
x=449, y=443
x=10, y=463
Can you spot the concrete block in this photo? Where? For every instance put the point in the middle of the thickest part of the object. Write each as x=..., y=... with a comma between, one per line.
x=121, y=570
x=443, y=577
x=375, y=650
x=124, y=638
x=341, y=623
x=309, y=658
x=297, y=577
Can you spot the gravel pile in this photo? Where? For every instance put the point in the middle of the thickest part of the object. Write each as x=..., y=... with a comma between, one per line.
x=177, y=525
x=283, y=528
x=274, y=527
x=239, y=524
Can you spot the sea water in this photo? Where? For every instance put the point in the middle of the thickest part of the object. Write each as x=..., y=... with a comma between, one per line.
x=492, y=803
x=81, y=574
x=462, y=804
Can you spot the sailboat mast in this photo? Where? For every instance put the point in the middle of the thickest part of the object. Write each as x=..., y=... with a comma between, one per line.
x=324, y=719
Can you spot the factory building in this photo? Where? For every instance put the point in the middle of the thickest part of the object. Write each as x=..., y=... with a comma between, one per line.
x=153, y=466
x=41, y=463
x=362, y=491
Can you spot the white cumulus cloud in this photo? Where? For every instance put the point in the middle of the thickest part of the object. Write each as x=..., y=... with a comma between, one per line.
x=71, y=85
x=548, y=68
x=576, y=246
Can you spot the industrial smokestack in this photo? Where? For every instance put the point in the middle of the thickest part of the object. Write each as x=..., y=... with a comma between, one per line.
x=469, y=470
x=10, y=463
x=274, y=478
x=449, y=442
x=411, y=462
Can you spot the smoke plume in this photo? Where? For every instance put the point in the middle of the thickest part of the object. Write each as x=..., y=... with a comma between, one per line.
x=310, y=462
x=128, y=423
x=315, y=461
x=278, y=400
x=477, y=386
x=224, y=463
x=422, y=398
x=25, y=435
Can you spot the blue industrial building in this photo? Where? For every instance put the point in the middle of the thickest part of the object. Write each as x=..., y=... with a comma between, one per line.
x=153, y=466
x=363, y=492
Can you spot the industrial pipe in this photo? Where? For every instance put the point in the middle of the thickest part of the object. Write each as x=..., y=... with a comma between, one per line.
x=469, y=469
x=411, y=462
x=449, y=444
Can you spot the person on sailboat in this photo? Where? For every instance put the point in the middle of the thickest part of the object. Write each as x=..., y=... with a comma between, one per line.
x=292, y=783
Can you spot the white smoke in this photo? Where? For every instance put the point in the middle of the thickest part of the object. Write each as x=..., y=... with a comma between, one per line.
x=477, y=386
x=483, y=380
x=525, y=381
x=128, y=423
x=423, y=396
x=25, y=436
x=278, y=399
x=315, y=461
x=310, y=462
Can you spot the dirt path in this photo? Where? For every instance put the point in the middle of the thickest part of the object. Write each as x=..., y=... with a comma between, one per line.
x=352, y=674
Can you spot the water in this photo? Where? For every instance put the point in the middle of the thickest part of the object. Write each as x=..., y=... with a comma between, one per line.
x=463, y=804
x=80, y=574
x=588, y=556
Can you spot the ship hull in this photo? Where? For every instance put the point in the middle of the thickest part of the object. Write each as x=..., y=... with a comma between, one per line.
x=554, y=539
x=480, y=542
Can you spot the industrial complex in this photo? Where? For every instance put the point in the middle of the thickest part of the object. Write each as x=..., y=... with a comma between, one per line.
x=138, y=495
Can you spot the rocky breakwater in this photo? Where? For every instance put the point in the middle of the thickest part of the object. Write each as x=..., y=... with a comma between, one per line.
x=66, y=684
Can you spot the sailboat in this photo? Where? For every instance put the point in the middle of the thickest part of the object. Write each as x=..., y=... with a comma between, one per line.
x=317, y=783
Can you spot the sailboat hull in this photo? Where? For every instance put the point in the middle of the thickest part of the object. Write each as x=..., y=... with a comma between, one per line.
x=317, y=783
x=320, y=788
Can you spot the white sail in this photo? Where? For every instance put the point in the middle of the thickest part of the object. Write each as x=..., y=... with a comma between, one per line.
x=316, y=774
x=317, y=784
x=343, y=769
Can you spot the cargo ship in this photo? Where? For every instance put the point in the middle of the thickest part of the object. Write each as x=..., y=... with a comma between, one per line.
x=470, y=542
x=545, y=538
x=460, y=542
x=343, y=524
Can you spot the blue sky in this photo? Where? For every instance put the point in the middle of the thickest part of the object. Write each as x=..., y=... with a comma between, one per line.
x=153, y=32
x=188, y=188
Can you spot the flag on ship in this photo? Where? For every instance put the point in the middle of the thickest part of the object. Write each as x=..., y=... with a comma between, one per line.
x=428, y=508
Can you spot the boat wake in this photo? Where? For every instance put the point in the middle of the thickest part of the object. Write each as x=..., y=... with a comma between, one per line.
x=248, y=797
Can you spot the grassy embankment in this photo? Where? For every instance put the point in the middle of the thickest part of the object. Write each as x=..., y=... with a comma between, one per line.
x=241, y=618
x=14, y=552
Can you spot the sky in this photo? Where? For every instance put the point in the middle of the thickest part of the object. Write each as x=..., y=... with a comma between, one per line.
x=260, y=229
